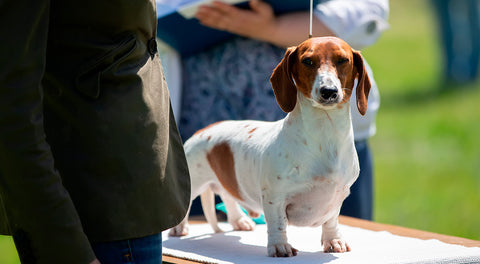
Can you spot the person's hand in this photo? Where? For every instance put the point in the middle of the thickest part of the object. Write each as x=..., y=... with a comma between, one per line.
x=257, y=23
x=260, y=23
x=95, y=262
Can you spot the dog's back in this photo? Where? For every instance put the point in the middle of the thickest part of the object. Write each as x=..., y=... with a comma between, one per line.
x=225, y=152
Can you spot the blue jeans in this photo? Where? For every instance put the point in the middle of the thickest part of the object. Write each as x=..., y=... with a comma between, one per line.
x=360, y=201
x=459, y=25
x=145, y=250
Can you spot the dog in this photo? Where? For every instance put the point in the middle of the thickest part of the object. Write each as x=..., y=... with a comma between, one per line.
x=297, y=170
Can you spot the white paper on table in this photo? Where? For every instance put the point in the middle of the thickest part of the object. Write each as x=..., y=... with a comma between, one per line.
x=368, y=246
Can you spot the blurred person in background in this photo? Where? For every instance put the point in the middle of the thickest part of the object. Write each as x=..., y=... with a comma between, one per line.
x=459, y=28
x=230, y=81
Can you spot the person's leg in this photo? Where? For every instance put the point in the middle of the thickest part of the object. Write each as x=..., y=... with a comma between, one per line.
x=360, y=201
x=459, y=28
x=474, y=20
x=441, y=7
x=145, y=250
x=462, y=24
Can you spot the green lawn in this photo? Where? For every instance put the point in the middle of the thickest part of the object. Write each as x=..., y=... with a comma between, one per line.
x=8, y=254
x=427, y=147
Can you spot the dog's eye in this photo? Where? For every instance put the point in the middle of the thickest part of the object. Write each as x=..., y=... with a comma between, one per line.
x=307, y=62
x=342, y=61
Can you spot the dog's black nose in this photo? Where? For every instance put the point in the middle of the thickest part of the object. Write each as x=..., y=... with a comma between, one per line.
x=329, y=93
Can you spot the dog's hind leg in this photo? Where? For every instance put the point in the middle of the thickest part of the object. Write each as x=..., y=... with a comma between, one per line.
x=208, y=205
x=235, y=215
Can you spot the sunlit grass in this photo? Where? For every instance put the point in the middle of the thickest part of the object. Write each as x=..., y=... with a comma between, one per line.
x=8, y=254
x=427, y=149
x=427, y=165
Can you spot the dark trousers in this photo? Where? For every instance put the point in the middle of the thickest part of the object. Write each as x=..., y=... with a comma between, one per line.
x=459, y=28
x=360, y=201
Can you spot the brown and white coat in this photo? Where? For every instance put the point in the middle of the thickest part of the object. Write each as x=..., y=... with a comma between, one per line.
x=297, y=170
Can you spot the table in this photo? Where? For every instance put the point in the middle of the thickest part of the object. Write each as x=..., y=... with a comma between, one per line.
x=368, y=225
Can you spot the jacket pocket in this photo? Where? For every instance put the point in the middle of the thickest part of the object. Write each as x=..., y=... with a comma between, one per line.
x=89, y=78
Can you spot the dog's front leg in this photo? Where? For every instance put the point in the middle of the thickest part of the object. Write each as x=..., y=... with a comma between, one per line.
x=276, y=217
x=331, y=238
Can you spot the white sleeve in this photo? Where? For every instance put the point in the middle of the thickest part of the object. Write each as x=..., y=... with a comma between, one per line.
x=358, y=22
x=172, y=68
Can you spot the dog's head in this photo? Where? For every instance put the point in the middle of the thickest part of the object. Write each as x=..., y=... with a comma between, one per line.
x=324, y=70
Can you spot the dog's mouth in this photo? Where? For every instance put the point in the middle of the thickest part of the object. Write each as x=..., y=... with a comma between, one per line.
x=324, y=104
x=329, y=101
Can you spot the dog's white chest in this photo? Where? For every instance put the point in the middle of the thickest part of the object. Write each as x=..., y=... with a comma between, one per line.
x=317, y=202
x=315, y=174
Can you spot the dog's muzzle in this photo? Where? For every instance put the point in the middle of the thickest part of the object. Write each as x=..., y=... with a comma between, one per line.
x=327, y=89
x=329, y=93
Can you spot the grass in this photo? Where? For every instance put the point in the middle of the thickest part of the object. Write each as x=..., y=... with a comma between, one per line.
x=8, y=252
x=427, y=147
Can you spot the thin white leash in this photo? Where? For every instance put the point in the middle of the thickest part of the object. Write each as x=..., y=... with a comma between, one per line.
x=311, y=18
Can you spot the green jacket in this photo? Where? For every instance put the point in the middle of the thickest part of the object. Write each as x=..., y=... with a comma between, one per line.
x=89, y=149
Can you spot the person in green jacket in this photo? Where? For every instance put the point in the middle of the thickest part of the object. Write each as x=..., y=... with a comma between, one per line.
x=92, y=167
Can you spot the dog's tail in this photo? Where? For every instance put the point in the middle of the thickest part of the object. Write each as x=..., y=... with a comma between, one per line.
x=208, y=204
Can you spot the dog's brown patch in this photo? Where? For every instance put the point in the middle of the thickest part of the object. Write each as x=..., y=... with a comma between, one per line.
x=253, y=214
x=222, y=163
x=319, y=178
x=251, y=132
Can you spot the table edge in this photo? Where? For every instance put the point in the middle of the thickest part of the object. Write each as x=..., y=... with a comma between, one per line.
x=407, y=232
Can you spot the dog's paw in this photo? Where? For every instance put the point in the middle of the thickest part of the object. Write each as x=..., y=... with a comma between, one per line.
x=281, y=250
x=336, y=245
x=179, y=230
x=244, y=223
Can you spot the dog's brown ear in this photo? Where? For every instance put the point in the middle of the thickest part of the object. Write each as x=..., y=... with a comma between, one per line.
x=282, y=82
x=363, y=85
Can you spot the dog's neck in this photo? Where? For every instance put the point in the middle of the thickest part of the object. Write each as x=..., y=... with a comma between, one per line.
x=320, y=125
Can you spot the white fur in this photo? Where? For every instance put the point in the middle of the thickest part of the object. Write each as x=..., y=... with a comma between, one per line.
x=297, y=170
